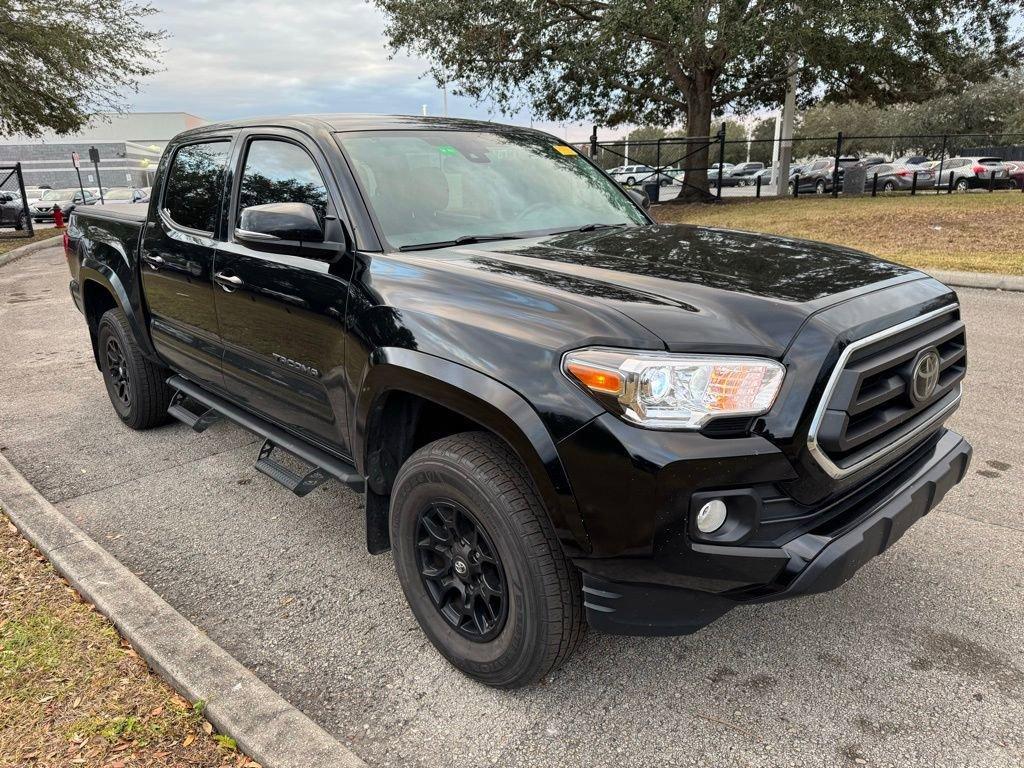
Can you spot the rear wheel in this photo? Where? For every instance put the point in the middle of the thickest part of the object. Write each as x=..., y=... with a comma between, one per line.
x=137, y=387
x=890, y=186
x=630, y=181
x=962, y=185
x=22, y=221
x=480, y=564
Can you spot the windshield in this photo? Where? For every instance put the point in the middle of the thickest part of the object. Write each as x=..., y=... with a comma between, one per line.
x=58, y=194
x=117, y=194
x=438, y=186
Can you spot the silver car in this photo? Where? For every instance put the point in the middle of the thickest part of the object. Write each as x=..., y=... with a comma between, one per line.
x=975, y=172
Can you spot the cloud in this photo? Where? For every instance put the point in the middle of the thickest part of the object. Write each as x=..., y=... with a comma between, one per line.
x=239, y=58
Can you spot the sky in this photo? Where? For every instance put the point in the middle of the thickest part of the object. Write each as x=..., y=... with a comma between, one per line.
x=241, y=58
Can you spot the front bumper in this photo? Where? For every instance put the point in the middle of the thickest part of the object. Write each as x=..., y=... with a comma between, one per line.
x=816, y=561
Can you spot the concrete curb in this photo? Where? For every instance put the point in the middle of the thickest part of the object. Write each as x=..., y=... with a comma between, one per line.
x=986, y=280
x=25, y=250
x=267, y=728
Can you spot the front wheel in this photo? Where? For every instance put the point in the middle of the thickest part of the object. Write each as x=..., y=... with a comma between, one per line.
x=479, y=562
x=137, y=386
x=630, y=181
x=819, y=188
x=22, y=222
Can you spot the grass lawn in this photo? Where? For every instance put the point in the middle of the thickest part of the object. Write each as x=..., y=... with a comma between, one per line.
x=976, y=232
x=72, y=693
x=11, y=238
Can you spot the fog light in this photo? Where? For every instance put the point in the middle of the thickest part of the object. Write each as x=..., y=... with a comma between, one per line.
x=711, y=516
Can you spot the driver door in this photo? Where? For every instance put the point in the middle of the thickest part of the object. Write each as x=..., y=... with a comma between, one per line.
x=281, y=306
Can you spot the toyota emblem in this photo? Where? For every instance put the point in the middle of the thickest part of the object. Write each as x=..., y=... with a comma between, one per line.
x=924, y=376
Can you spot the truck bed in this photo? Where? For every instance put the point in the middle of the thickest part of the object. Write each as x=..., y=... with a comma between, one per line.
x=129, y=212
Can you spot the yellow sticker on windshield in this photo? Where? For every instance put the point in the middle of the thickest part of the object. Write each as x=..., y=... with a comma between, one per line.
x=562, y=149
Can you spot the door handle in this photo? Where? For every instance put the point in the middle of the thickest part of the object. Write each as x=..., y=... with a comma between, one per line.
x=228, y=282
x=154, y=261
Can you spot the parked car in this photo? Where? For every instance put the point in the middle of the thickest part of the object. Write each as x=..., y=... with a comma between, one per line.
x=12, y=211
x=67, y=199
x=631, y=175
x=32, y=194
x=975, y=172
x=559, y=411
x=892, y=177
x=122, y=195
x=912, y=160
x=742, y=174
x=817, y=176
x=1016, y=170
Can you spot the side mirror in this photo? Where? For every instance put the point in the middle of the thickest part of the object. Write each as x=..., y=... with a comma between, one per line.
x=639, y=198
x=280, y=221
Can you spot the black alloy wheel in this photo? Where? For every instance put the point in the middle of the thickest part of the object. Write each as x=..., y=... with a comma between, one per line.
x=117, y=372
x=461, y=570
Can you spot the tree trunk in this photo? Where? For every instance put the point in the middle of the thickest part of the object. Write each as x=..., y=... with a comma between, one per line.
x=698, y=126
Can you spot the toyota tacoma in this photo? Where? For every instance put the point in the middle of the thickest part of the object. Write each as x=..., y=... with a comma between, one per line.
x=559, y=412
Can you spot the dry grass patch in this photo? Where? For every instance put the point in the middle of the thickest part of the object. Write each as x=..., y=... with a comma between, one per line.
x=975, y=232
x=12, y=238
x=73, y=693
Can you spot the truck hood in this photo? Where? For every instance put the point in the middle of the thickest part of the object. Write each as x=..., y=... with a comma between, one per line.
x=696, y=288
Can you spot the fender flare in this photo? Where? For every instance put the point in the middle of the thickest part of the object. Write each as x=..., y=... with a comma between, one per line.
x=484, y=400
x=101, y=273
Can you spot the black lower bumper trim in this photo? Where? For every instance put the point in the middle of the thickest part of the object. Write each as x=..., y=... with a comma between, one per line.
x=816, y=563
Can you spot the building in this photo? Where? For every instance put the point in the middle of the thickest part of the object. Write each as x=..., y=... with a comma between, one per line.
x=129, y=147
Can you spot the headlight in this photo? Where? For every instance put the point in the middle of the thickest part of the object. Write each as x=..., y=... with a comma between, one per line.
x=663, y=390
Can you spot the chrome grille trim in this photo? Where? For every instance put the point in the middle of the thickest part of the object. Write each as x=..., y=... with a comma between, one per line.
x=830, y=467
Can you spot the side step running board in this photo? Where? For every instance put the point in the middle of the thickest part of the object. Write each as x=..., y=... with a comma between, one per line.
x=199, y=420
x=324, y=464
x=298, y=484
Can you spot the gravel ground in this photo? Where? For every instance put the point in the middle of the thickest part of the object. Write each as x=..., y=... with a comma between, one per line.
x=918, y=661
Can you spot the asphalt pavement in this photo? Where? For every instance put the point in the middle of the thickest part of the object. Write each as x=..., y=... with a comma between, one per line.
x=918, y=661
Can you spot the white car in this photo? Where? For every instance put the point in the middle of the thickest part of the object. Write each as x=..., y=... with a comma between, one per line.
x=631, y=175
x=974, y=172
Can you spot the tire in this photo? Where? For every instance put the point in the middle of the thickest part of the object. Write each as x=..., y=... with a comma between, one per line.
x=630, y=181
x=962, y=185
x=137, y=387
x=819, y=188
x=475, y=481
x=889, y=187
x=21, y=222
x=665, y=182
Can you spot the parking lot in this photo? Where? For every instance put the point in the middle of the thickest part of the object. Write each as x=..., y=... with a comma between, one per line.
x=918, y=661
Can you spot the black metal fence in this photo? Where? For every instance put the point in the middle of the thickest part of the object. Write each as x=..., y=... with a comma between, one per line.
x=930, y=162
x=15, y=219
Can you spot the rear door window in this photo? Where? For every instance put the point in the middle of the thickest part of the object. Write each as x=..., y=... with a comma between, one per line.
x=195, y=182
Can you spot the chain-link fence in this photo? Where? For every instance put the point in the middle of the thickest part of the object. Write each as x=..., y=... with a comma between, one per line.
x=713, y=167
x=15, y=218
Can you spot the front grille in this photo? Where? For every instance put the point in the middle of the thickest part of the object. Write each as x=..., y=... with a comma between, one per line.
x=870, y=407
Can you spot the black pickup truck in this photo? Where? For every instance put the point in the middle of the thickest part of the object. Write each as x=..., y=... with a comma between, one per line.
x=560, y=412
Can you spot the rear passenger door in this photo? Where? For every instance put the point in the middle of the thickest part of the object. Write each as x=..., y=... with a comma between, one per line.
x=281, y=306
x=177, y=259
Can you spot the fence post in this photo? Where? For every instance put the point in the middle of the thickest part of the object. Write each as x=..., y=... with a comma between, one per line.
x=757, y=193
x=796, y=185
x=913, y=184
x=874, y=185
x=657, y=161
x=593, y=145
x=942, y=161
x=992, y=181
x=949, y=187
x=835, y=168
x=721, y=159
x=24, y=199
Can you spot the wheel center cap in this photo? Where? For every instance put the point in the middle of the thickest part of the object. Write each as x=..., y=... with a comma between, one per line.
x=460, y=567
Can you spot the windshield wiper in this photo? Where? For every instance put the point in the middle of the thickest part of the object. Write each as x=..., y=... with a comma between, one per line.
x=590, y=228
x=463, y=240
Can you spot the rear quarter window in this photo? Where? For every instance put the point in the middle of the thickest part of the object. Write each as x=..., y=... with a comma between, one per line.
x=195, y=182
